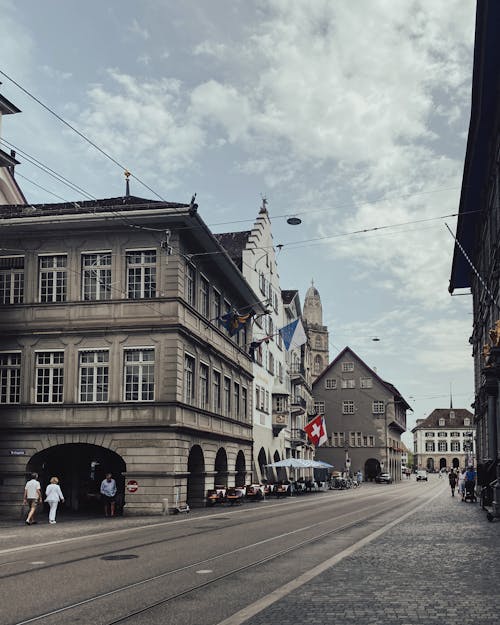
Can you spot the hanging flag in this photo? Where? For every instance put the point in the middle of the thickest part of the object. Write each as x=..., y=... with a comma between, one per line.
x=234, y=322
x=293, y=335
x=316, y=431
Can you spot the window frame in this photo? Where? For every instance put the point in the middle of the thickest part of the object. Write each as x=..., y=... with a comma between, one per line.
x=141, y=270
x=145, y=367
x=94, y=367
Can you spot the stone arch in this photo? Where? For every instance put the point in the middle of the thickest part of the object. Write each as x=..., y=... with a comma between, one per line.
x=442, y=463
x=262, y=461
x=430, y=464
x=372, y=469
x=280, y=471
x=220, y=467
x=240, y=468
x=80, y=467
x=455, y=463
x=196, y=477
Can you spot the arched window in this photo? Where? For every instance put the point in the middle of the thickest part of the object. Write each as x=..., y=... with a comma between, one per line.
x=318, y=364
x=318, y=342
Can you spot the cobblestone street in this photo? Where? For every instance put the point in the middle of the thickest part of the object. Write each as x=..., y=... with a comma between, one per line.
x=438, y=566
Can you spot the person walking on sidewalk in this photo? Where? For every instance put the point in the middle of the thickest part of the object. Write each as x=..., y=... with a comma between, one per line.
x=32, y=496
x=108, y=492
x=53, y=495
x=452, y=477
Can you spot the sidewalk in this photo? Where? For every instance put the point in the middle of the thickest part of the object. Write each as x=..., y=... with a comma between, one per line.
x=440, y=566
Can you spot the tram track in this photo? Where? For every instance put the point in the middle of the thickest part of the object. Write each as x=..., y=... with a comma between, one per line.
x=382, y=509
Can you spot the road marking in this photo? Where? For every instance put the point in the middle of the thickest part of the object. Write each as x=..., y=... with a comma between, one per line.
x=204, y=571
x=115, y=532
x=254, y=608
x=38, y=562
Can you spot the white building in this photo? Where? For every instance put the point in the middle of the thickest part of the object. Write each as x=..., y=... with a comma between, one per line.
x=444, y=440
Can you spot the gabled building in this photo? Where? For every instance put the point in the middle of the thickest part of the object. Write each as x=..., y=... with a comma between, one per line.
x=444, y=440
x=113, y=357
x=10, y=192
x=365, y=417
x=253, y=252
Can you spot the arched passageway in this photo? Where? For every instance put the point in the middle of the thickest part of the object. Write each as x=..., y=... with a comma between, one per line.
x=196, y=478
x=262, y=460
x=455, y=463
x=80, y=468
x=442, y=463
x=240, y=468
x=372, y=469
x=221, y=468
x=430, y=464
x=280, y=471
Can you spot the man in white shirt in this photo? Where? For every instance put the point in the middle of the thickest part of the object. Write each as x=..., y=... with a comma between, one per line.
x=32, y=495
x=108, y=494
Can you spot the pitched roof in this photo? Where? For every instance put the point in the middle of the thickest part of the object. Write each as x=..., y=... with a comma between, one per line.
x=234, y=243
x=288, y=295
x=390, y=387
x=432, y=421
x=124, y=203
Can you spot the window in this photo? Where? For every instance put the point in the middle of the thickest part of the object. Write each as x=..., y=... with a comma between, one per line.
x=348, y=383
x=442, y=434
x=215, y=305
x=257, y=397
x=280, y=403
x=429, y=434
x=280, y=372
x=359, y=439
x=11, y=280
x=366, y=383
x=430, y=446
x=338, y=439
x=318, y=364
x=371, y=441
x=455, y=446
x=203, y=387
x=49, y=372
x=262, y=398
x=266, y=402
x=139, y=365
x=455, y=434
x=204, y=297
x=352, y=439
x=348, y=407
x=244, y=402
x=318, y=343
x=262, y=282
x=271, y=364
x=319, y=407
x=96, y=276
x=378, y=407
x=236, y=402
x=216, y=377
x=94, y=376
x=467, y=421
x=10, y=378
x=442, y=446
x=441, y=422
x=189, y=379
x=227, y=396
x=141, y=274
x=190, y=285
x=52, y=278
x=330, y=384
x=365, y=441
x=347, y=366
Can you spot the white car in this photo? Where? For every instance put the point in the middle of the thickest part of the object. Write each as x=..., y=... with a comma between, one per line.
x=421, y=475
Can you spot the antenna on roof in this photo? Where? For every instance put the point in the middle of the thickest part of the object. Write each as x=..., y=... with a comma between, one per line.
x=127, y=175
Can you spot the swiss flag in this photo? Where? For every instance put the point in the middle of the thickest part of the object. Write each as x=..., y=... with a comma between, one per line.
x=316, y=431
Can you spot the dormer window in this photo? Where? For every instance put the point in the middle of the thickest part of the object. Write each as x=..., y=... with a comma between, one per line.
x=441, y=422
x=466, y=421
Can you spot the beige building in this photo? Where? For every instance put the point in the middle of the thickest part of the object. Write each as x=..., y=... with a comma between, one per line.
x=112, y=356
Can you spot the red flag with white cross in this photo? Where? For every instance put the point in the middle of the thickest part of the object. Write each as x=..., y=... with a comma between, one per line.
x=316, y=431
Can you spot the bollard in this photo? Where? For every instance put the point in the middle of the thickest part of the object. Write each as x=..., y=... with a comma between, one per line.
x=164, y=510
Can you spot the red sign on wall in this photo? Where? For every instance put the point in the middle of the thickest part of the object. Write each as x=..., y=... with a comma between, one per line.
x=132, y=486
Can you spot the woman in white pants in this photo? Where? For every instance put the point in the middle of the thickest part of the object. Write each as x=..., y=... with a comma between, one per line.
x=53, y=495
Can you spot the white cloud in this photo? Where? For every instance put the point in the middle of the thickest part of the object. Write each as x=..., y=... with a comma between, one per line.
x=136, y=29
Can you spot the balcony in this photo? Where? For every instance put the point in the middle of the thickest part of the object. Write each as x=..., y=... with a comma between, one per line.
x=297, y=437
x=297, y=372
x=298, y=404
x=279, y=422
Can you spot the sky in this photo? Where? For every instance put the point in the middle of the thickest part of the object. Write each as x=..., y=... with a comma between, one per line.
x=350, y=115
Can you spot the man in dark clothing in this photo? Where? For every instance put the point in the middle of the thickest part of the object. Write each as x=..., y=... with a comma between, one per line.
x=452, y=477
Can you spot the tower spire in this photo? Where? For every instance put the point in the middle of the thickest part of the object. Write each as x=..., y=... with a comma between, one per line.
x=127, y=175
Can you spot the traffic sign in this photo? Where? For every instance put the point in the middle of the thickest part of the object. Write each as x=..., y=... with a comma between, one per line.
x=132, y=486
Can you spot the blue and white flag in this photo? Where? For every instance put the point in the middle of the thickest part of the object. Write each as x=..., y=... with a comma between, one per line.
x=293, y=335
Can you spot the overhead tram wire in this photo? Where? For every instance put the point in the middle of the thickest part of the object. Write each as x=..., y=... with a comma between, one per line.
x=18, y=175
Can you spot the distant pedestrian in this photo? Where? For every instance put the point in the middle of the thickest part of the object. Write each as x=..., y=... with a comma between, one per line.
x=108, y=493
x=359, y=478
x=53, y=495
x=461, y=483
x=453, y=482
x=32, y=497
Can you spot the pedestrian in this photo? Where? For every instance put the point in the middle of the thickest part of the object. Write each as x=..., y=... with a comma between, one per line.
x=359, y=477
x=453, y=482
x=32, y=496
x=108, y=492
x=470, y=482
x=53, y=495
x=461, y=483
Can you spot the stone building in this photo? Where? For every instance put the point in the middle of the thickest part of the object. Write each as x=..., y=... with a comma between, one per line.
x=476, y=260
x=253, y=253
x=112, y=356
x=316, y=332
x=365, y=417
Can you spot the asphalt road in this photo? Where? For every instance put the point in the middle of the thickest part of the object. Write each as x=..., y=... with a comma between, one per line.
x=197, y=569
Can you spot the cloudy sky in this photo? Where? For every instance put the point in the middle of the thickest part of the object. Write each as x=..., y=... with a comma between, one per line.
x=351, y=115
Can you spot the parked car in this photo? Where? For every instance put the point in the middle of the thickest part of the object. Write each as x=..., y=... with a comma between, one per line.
x=384, y=478
x=421, y=476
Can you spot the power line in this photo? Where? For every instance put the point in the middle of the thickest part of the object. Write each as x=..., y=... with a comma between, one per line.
x=18, y=175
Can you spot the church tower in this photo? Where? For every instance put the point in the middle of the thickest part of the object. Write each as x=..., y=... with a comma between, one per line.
x=317, y=333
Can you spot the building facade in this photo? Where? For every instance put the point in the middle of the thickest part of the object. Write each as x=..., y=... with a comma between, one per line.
x=444, y=440
x=365, y=417
x=317, y=333
x=113, y=358
x=476, y=260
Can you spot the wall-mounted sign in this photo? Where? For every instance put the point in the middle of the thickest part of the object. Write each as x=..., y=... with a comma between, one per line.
x=17, y=452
